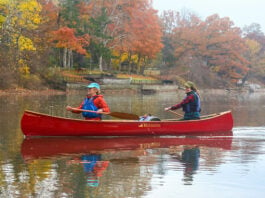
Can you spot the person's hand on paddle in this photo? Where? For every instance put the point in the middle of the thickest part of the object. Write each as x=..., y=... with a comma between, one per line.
x=167, y=108
x=69, y=108
x=99, y=110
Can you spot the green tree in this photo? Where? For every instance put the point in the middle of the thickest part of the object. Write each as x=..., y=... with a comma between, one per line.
x=100, y=39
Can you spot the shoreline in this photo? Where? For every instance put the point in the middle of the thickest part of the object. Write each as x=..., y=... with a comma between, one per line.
x=24, y=92
x=113, y=89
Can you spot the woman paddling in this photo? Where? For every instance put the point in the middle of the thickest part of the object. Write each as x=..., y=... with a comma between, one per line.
x=191, y=104
x=93, y=102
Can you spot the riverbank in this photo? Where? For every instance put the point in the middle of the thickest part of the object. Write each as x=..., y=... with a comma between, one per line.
x=24, y=92
x=118, y=88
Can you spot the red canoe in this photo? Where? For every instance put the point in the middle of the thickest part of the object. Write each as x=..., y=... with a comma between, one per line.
x=37, y=124
x=34, y=148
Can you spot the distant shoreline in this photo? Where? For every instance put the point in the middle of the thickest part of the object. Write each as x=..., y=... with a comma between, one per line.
x=113, y=89
x=24, y=92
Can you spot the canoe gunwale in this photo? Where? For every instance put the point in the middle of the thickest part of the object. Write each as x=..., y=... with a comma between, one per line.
x=204, y=117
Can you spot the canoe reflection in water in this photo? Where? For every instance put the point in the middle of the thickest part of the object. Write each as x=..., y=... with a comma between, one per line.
x=96, y=153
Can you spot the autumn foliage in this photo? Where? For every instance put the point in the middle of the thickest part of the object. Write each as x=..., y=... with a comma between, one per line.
x=123, y=35
x=215, y=41
x=65, y=38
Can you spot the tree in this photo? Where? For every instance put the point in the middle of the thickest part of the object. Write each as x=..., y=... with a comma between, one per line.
x=216, y=42
x=19, y=25
x=169, y=21
x=65, y=38
x=255, y=41
x=98, y=26
x=67, y=18
x=143, y=33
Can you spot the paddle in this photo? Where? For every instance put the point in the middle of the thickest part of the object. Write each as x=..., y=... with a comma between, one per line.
x=175, y=113
x=121, y=115
x=205, y=116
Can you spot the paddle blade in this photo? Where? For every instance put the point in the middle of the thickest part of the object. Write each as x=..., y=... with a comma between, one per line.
x=126, y=116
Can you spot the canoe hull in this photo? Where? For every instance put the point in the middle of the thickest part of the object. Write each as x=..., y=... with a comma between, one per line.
x=37, y=124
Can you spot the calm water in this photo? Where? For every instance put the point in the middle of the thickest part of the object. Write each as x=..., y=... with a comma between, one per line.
x=227, y=165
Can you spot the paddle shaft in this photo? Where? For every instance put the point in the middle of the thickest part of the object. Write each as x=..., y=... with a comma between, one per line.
x=83, y=110
x=120, y=115
x=175, y=113
x=205, y=116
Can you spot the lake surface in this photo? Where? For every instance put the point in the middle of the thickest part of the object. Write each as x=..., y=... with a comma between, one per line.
x=226, y=165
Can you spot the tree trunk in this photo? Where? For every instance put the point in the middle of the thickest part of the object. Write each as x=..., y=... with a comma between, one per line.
x=100, y=63
x=67, y=58
x=70, y=58
x=138, y=64
x=119, y=69
x=64, y=57
x=129, y=66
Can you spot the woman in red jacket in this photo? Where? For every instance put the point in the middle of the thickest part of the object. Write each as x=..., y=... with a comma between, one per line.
x=93, y=102
x=191, y=104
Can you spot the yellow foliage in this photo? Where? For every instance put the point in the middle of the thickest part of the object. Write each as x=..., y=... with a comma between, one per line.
x=254, y=46
x=23, y=69
x=3, y=4
x=115, y=61
x=124, y=57
x=134, y=58
x=25, y=13
x=2, y=20
x=30, y=10
x=216, y=68
x=25, y=43
x=20, y=15
x=88, y=55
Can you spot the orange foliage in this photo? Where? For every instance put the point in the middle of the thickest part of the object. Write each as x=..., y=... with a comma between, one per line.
x=50, y=12
x=84, y=9
x=145, y=33
x=134, y=26
x=65, y=38
x=215, y=40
